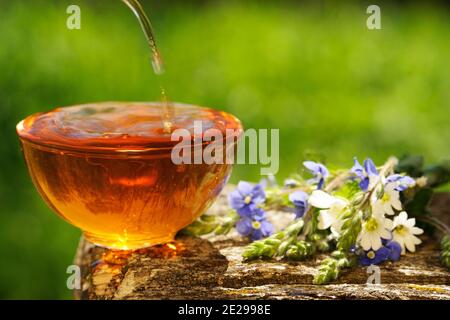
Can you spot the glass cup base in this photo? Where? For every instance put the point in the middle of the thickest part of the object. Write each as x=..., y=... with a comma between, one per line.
x=116, y=243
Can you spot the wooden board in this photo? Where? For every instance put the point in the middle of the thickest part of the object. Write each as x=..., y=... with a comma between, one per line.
x=211, y=267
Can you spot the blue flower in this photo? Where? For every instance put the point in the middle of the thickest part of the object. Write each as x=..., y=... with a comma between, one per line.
x=319, y=171
x=299, y=199
x=395, y=250
x=374, y=257
x=401, y=182
x=255, y=226
x=246, y=198
x=364, y=173
x=390, y=251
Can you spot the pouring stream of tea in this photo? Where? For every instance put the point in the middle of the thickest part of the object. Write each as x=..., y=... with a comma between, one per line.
x=157, y=63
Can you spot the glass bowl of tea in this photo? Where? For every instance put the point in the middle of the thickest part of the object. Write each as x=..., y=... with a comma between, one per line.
x=127, y=176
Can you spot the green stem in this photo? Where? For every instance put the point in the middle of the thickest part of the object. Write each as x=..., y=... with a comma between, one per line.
x=332, y=185
x=435, y=223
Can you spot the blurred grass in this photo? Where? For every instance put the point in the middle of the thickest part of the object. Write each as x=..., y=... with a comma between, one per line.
x=313, y=70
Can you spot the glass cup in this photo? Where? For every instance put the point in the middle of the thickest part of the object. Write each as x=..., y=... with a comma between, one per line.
x=109, y=169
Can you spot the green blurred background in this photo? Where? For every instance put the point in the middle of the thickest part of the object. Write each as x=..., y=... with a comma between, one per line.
x=312, y=69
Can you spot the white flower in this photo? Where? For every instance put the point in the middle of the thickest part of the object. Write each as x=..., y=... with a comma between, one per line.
x=332, y=209
x=373, y=230
x=390, y=199
x=404, y=231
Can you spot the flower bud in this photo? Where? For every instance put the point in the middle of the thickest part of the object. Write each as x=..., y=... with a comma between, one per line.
x=267, y=251
x=272, y=242
x=293, y=253
x=422, y=182
x=358, y=198
x=283, y=247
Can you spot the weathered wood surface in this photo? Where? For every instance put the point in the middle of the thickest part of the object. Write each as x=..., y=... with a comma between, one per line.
x=212, y=268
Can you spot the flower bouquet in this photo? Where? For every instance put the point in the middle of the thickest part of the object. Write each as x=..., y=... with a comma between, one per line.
x=364, y=215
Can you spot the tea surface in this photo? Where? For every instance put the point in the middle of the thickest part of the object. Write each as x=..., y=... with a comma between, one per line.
x=118, y=126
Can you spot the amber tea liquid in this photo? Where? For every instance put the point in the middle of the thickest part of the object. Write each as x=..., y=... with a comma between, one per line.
x=107, y=169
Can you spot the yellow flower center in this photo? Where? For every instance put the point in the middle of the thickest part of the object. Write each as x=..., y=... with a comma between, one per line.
x=401, y=229
x=256, y=225
x=371, y=224
x=248, y=199
x=371, y=254
x=386, y=197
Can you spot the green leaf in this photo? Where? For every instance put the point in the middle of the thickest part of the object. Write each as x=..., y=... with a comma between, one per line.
x=210, y=223
x=411, y=165
x=418, y=205
x=228, y=223
x=348, y=190
x=349, y=232
x=415, y=202
x=277, y=198
x=437, y=175
x=314, y=220
x=199, y=228
x=208, y=218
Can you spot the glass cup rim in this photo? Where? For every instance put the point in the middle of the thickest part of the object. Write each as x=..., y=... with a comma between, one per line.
x=114, y=150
